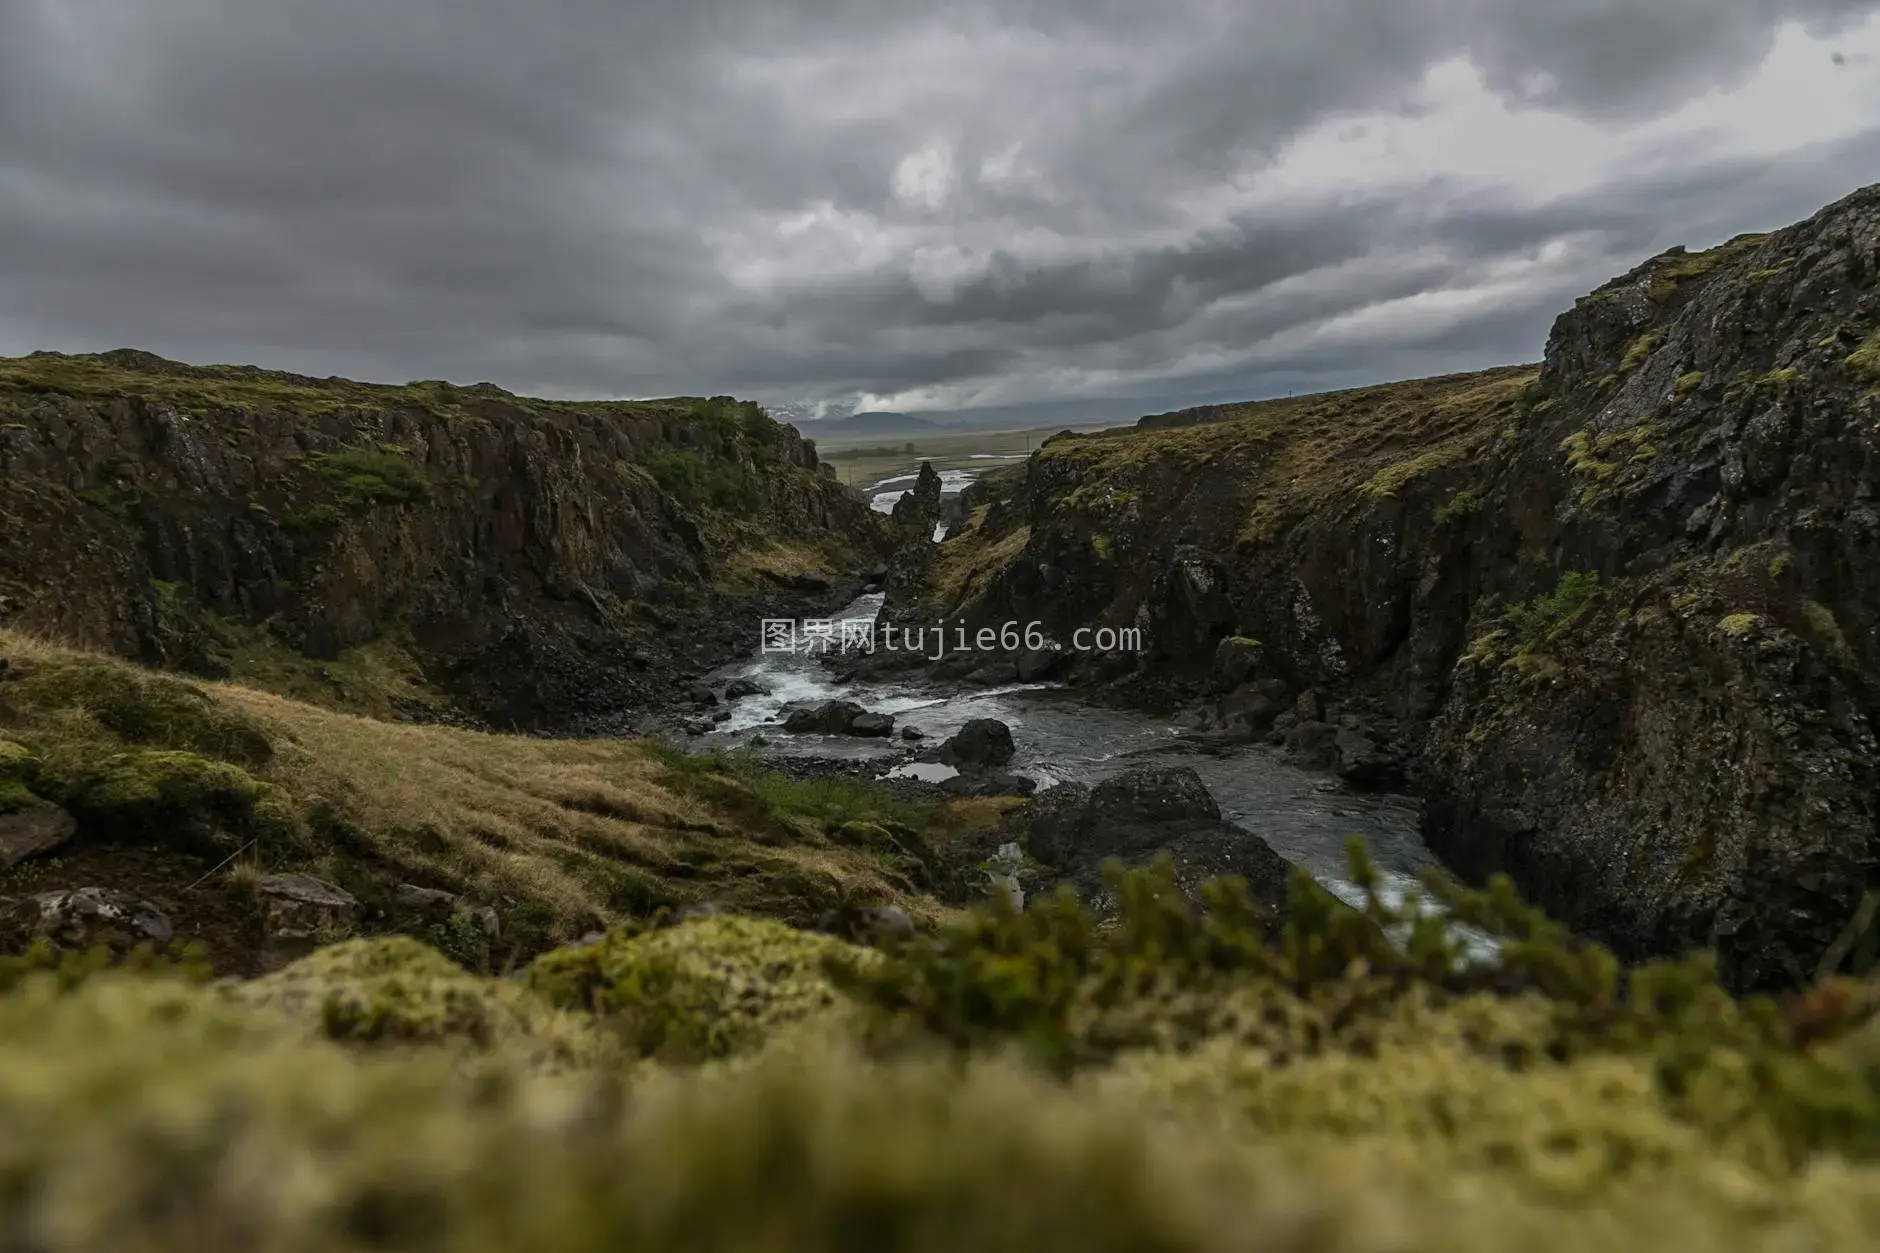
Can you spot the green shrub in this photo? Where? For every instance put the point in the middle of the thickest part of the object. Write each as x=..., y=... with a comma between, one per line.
x=1533, y=619
x=1462, y=506
x=364, y=477
x=700, y=482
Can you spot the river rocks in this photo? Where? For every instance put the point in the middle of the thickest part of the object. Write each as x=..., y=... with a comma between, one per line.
x=993, y=673
x=872, y=725
x=912, y=732
x=1034, y=665
x=1363, y=764
x=30, y=831
x=740, y=688
x=988, y=783
x=983, y=743
x=1312, y=745
x=1072, y=829
x=83, y=918
x=839, y=717
x=832, y=717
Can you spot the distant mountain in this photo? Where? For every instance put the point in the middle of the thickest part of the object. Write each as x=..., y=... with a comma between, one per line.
x=872, y=423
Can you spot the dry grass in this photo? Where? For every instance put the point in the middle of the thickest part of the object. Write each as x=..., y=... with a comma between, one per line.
x=578, y=833
x=775, y=559
x=962, y=570
x=1299, y=452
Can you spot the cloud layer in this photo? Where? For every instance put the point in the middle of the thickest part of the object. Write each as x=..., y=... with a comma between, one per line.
x=1003, y=203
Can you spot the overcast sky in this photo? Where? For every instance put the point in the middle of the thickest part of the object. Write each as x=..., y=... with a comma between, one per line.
x=1106, y=206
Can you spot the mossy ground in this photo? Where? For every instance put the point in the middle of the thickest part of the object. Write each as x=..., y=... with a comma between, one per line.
x=561, y=836
x=1320, y=1090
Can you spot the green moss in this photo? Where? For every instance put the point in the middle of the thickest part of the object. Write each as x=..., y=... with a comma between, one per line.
x=1459, y=508
x=1100, y=544
x=1827, y=631
x=1390, y=480
x=708, y=988
x=313, y=523
x=16, y=795
x=381, y=476
x=1866, y=358
x=397, y=991
x=743, y=785
x=177, y=798
x=109, y=500
x=864, y=834
x=1739, y=625
x=1210, y=1081
x=1671, y=275
x=1639, y=349
x=136, y=707
x=1580, y=459
x=1688, y=383
x=380, y=679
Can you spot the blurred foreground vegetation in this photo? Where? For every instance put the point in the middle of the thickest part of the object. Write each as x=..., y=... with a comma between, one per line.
x=1173, y=1078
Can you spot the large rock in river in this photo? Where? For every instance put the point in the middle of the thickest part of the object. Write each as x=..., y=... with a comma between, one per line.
x=982, y=744
x=1136, y=816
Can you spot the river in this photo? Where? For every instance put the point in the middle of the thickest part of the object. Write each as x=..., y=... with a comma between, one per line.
x=1307, y=817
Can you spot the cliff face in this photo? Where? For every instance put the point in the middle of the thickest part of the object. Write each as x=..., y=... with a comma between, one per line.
x=1621, y=612
x=1689, y=759
x=524, y=556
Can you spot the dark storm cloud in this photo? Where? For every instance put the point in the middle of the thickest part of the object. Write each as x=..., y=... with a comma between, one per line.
x=999, y=203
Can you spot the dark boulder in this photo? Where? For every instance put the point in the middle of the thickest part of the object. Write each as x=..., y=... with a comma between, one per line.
x=832, y=717
x=1137, y=816
x=1034, y=665
x=872, y=724
x=993, y=674
x=982, y=744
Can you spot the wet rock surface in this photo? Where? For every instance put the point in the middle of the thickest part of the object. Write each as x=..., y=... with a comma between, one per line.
x=1136, y=816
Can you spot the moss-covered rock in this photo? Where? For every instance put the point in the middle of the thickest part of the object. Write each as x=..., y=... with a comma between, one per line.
x=136, y=707
x=185, y=799
x=19, y=768
x=707, y=988
x=395, y=990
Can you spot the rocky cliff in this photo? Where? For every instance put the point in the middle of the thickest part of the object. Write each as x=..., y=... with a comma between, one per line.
x=1617, y=615
x=530, y=561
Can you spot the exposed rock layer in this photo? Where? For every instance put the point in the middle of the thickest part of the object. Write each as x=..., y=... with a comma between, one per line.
x=1618, y=615
x=531, y=557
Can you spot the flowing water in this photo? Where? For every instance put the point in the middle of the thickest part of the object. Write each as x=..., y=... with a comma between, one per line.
x=1305, y=816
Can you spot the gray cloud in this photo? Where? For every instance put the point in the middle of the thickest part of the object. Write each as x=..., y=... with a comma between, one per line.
x=1011, y=203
